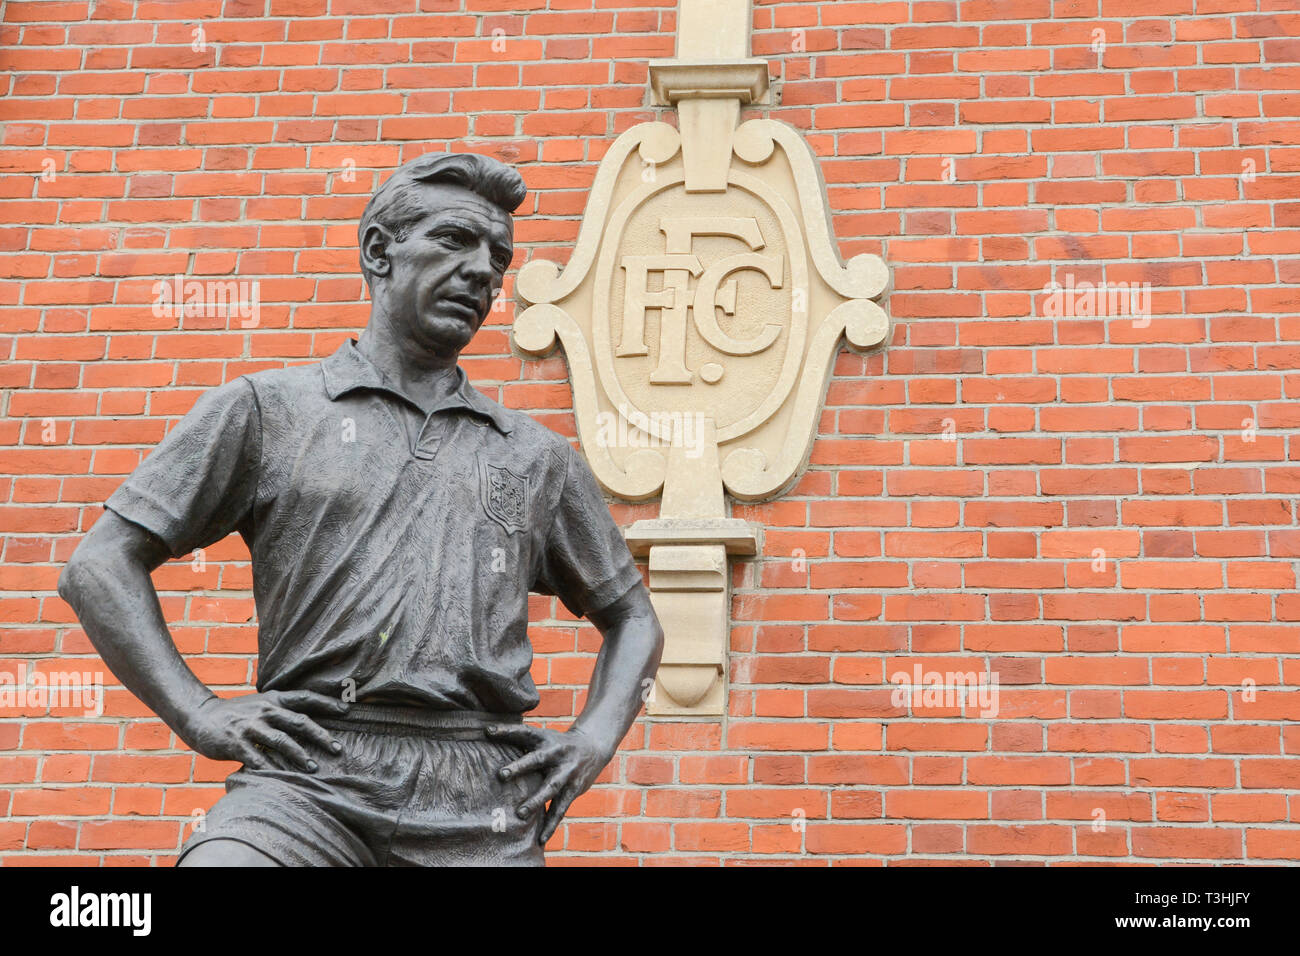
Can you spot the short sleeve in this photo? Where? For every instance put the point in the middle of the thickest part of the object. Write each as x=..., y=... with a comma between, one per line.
x=585, y=561
x=200, y=483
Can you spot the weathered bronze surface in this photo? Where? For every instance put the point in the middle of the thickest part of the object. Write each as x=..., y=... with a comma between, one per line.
x=397, y=519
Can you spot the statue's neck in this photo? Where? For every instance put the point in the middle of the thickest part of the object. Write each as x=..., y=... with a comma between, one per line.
x=424, y=378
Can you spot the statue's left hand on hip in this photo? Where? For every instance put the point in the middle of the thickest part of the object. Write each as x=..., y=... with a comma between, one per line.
x=569, y=762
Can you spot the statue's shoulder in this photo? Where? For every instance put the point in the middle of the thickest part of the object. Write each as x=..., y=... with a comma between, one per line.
x=290, y=383
x=527, y=434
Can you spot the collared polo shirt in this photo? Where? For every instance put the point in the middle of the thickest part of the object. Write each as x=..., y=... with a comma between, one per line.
x=392, y=551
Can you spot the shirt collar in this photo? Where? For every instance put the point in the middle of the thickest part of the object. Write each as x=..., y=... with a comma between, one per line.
x=348, y=369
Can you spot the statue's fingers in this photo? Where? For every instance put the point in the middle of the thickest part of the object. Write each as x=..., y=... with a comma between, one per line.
x=310, y=702
x=529, y=761
x=304, y=729
x=559, y=807
x=282, y=743
x=249, y=755
x=549, y=788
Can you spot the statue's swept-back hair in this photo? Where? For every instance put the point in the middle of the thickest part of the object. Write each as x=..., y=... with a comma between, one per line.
x=397, y=206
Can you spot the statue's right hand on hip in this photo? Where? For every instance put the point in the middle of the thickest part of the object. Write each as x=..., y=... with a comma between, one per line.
x=248, y=728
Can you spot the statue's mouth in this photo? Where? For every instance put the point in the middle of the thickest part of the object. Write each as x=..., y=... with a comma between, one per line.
x=461, y=308
x=463, y=304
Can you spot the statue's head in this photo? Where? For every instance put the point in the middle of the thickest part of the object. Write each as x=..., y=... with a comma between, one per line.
x=436, y=239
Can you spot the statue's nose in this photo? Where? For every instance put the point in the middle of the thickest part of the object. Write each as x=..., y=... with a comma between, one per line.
x=478, y=264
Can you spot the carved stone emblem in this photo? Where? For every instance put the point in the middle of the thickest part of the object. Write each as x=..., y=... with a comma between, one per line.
x=700, y=314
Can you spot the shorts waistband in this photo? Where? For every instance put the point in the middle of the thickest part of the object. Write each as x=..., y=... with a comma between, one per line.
x=396, y=720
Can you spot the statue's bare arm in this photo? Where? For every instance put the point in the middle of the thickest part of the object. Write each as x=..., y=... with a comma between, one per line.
x=569, y=762
x=107, y=582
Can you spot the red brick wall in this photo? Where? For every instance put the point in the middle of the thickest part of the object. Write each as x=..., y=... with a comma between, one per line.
x=128, y=157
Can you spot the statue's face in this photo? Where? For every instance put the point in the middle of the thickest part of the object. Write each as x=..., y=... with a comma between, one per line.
x=445, y=274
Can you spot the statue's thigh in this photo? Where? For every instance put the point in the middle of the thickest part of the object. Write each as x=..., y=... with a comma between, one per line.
x=226, y=853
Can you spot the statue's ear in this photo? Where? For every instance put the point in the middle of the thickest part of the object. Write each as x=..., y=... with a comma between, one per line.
x=374, y=250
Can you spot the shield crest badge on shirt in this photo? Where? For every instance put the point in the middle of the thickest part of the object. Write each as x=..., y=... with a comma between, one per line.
x=505, y=497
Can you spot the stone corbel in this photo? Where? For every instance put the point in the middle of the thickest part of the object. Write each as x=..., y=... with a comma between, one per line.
x=690, y=585
x=708, y=95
